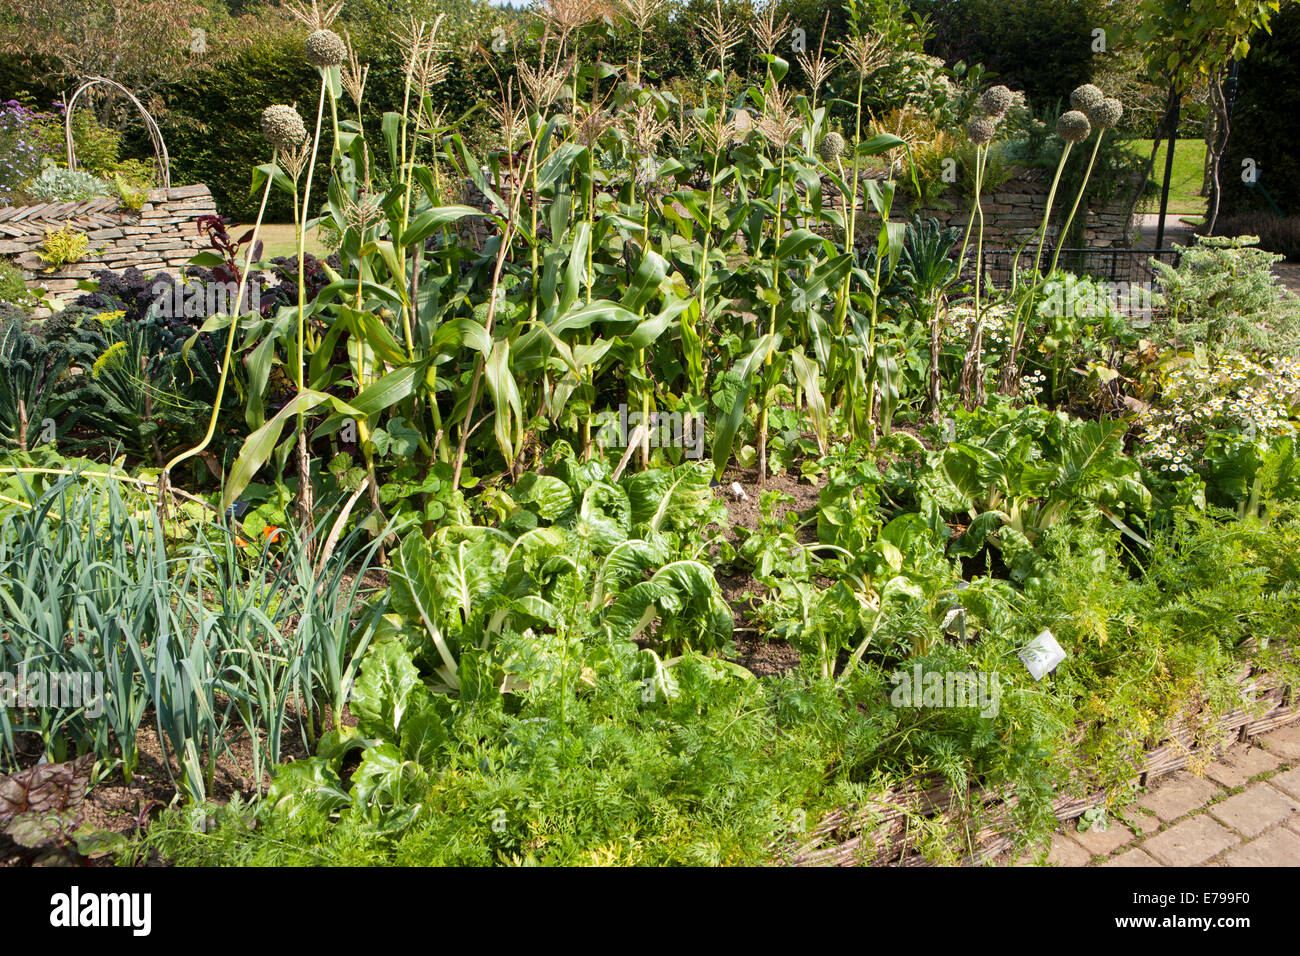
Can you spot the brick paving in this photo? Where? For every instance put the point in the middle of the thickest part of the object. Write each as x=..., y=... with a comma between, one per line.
x=1244, y=811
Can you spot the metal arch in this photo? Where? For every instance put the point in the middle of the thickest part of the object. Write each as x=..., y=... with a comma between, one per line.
x=155, y=134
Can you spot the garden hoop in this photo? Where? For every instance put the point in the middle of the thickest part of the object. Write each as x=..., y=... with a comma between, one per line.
x=155, y=134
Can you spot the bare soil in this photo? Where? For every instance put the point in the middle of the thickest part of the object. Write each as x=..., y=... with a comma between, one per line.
x=115, y=806
x=753, y=650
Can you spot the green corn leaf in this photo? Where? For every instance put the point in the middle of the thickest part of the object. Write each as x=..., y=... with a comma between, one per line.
x=257, y=448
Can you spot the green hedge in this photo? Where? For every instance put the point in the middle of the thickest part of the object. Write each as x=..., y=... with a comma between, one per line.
x=1266, y=122
x=1043, y=47
x=211, y=120
x=212, y=125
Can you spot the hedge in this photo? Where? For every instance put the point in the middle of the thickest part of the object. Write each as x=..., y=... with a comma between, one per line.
x=211, y=120
x=1266, y=123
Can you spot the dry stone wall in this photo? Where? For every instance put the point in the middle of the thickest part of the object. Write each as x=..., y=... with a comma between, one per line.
x=160, y=237
x=1014, y=211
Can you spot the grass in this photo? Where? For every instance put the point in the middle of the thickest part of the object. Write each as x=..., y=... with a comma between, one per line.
x=278, y=239
x=1185, y=187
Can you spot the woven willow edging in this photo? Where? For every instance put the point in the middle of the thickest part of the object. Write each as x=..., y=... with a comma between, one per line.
x=884, y=831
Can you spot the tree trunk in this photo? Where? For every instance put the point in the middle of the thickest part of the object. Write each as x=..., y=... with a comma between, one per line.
x=1219, y=104
x=1161, y=132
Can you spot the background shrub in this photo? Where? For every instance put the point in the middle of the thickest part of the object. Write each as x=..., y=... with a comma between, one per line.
x=59, y=184
x=1264, y=123
x=20, y=155
x=1280, y=234
x=13, y=288
x=1043, y=47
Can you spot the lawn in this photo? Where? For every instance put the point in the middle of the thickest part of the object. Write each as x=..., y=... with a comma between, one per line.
x=278, y=239
x=1185, y=190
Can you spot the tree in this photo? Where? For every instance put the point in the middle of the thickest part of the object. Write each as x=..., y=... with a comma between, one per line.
x=141, y=44
x=1191, y=40
x=1043, y=47
x=1261, y=164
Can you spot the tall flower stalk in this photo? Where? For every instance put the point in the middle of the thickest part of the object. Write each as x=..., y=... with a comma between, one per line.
x=777, y=126
x=1073, y=127
x=324, y=49
x=866, y=54
x=1103, y=115
x=972, y=369
x=284, y=129
x=512, y=122
x=981, y=130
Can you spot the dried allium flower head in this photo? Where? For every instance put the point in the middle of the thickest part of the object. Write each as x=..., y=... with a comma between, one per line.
x=1073, y=127
x=777, y=123
x=832, y=147
x=325, y=48
x=867, y=54
x=980, y=129
x=283, y=126
x=1106, y=114
x=996, y=100
x=1085, y=97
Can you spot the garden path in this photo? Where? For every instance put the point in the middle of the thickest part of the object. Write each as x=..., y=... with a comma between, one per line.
x=1178, y=231
x=1244, y=811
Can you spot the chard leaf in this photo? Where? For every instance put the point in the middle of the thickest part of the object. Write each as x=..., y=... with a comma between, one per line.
x=383, y=692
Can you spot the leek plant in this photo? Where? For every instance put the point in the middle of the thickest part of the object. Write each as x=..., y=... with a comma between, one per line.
x=207, y=639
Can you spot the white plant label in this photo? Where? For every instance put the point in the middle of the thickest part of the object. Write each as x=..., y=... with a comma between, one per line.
x=1041, y=655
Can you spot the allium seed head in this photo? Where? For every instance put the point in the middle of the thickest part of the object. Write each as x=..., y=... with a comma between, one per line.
x=1073, y=127
x=996, y=100
x=1106, y=114
x=325, y=48
x=981, y=129
x=1086, y=96
x=282, y=126
x=831, y=147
